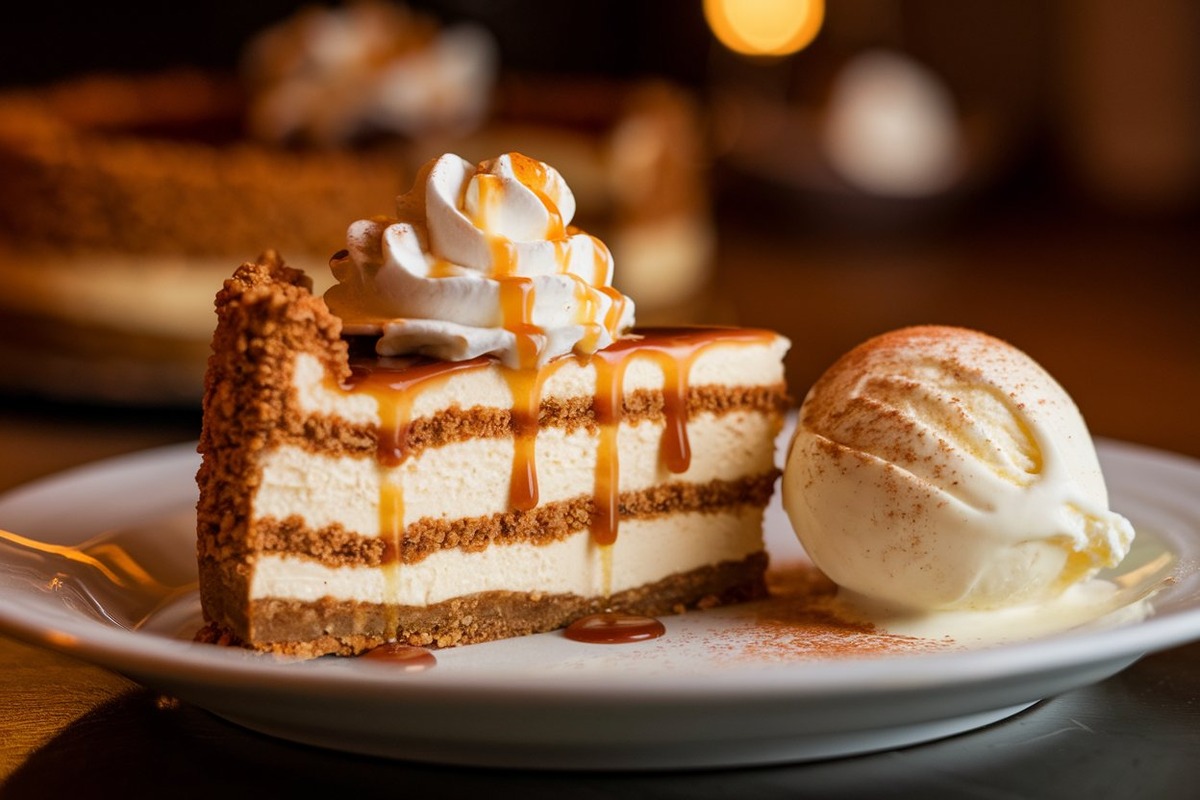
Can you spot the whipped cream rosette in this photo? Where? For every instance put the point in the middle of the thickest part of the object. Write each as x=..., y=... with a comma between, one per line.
x=480, y=260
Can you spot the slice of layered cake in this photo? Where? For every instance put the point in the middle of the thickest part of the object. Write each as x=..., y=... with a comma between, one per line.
x=466, y=440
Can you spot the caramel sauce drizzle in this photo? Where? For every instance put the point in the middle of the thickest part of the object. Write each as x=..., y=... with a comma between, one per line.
x=607, y=405
x=442, y=268
x=525, y=384
x=600, y=261
x=395, y=385
x=674, y=350
x=612, y=318
x=526, y=387
x=585, y=312
x=504, y=257
x=532, y=174
x=517, y=298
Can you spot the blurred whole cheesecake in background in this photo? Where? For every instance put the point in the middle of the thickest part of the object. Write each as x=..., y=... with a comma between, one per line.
x=126, y=197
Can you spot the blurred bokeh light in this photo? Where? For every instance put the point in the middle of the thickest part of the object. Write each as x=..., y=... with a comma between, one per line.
x=765, y=27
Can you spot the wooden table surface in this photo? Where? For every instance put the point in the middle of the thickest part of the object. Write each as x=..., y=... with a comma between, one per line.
x=1110, y=310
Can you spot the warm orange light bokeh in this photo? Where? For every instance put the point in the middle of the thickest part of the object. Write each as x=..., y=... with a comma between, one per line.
x=765, y=27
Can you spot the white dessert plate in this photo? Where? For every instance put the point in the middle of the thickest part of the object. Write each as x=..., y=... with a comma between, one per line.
x=752, y=684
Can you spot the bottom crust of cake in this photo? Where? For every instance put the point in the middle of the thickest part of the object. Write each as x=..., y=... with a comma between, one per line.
x=330, y=627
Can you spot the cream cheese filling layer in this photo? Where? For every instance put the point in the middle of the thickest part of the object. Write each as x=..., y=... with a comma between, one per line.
x=647, y=550
x=471, y=478
x=732, y=364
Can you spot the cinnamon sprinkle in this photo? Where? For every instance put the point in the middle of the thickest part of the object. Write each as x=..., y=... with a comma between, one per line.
x=802, y=620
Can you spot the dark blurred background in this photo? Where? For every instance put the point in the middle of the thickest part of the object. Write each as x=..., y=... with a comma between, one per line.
x=1068, y=93
x=1047, y=189
x=1094, y=101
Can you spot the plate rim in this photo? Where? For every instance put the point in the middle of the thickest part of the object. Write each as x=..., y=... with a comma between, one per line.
x=148, y=654
x=751, y=715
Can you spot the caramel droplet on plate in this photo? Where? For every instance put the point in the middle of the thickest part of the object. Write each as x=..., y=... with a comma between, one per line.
x=404, y=656
x=614, y=627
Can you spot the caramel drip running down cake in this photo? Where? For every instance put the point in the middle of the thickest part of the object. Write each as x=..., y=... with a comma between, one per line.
x=467, y=438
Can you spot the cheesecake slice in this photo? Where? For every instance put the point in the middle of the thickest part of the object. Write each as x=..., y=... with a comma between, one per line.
x=348, y=500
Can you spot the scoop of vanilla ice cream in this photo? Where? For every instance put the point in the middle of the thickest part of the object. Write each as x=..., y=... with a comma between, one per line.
x=940, y=468
x=480, y=259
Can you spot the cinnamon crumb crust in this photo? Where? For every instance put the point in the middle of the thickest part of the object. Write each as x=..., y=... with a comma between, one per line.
x=329, y=627
x=266, y=312
x=335, y=546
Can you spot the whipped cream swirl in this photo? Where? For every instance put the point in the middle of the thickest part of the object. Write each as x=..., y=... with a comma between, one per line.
x=480, y=260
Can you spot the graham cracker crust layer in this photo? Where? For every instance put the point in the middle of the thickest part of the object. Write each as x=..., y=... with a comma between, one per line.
x=330, y=627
